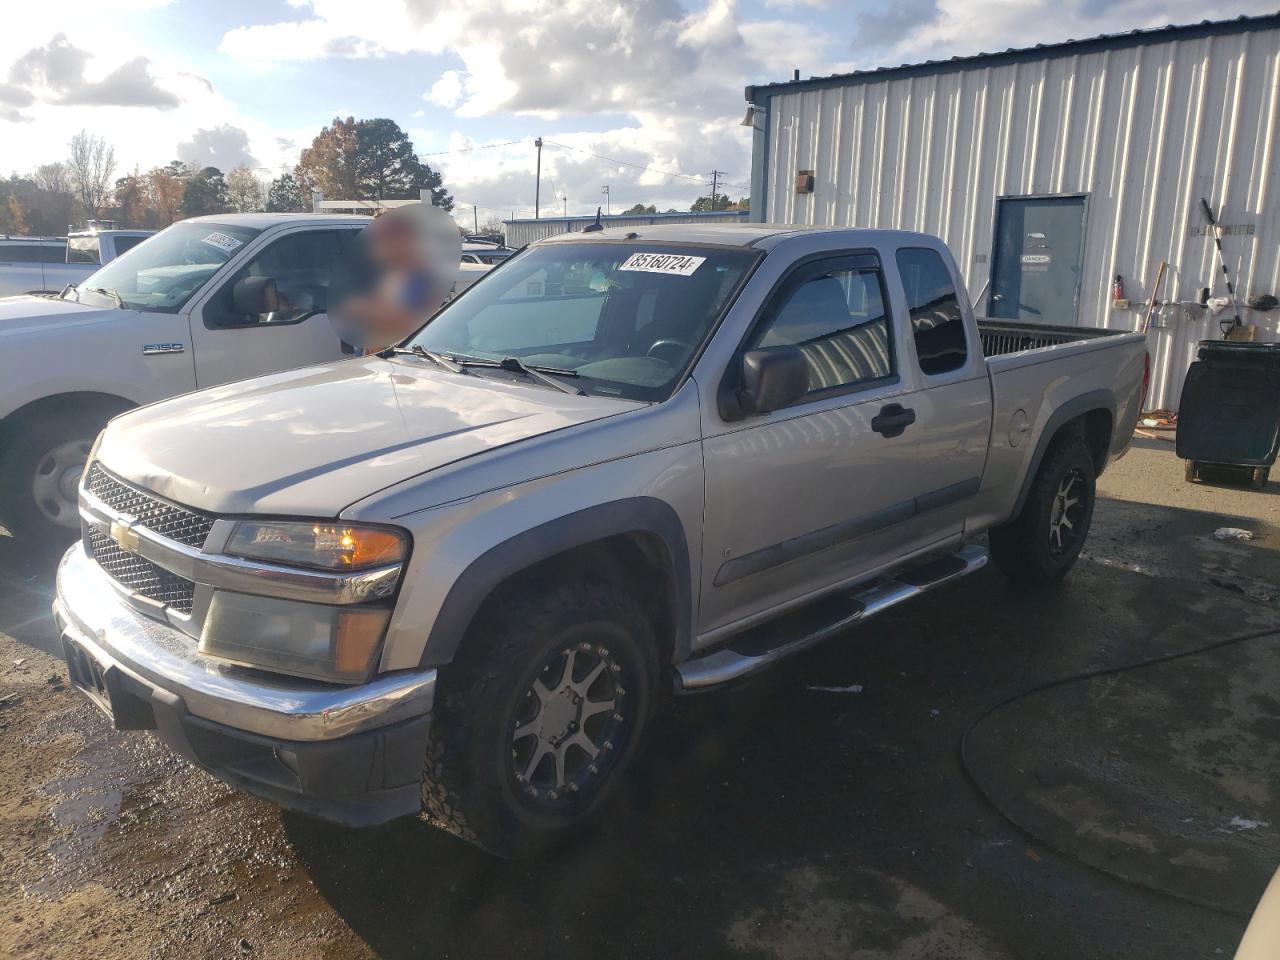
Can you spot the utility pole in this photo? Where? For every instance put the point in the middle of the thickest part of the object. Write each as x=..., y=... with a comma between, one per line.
x=715, y=179
x=537, y=185
x=476, y=212
x=607, y=208
x=565, y=198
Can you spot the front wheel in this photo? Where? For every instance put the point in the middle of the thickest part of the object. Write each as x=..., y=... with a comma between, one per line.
x=541, y=714
x=40, y=476
x=1043, y=541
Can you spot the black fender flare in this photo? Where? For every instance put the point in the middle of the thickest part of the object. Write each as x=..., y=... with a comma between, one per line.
x=1101, y=399
x=645, y=515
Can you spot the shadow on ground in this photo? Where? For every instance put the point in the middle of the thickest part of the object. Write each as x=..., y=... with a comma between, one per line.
x=778, y=819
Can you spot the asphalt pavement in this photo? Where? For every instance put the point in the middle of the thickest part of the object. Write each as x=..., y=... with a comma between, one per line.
x=824, y=810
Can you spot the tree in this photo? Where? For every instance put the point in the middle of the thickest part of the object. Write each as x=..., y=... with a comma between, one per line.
x=285, y=196
x=165, y=192
x=708, y=204
x=641, y=208
x=13, y=218
x=206, y=192
x=131, y=201
x=329, y=164
x=54, y=178
x=244, y=192
x=367, y=160
x=92, y=162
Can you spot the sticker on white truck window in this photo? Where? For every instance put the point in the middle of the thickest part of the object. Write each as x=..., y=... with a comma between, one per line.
x=673, y=263
x=222, y=241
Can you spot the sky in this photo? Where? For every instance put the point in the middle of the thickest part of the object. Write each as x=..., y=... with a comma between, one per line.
x=644, y=97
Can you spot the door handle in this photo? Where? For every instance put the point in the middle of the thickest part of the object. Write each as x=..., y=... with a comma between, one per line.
x=892, y=420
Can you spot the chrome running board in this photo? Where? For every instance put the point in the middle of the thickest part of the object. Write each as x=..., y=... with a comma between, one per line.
x=763, y=645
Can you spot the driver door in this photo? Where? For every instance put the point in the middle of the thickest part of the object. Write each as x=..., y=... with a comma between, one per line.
x=235, y=346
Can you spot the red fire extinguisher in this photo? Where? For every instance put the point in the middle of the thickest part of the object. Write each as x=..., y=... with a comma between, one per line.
x=1117, y=289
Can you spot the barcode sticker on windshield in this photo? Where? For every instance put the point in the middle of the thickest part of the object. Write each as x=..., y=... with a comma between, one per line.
x=676, y=263
x=222, y=241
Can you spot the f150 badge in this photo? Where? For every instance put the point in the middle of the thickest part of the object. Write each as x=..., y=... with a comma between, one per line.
x=151, y=349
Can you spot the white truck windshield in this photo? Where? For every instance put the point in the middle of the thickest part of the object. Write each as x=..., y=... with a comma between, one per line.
x=162, y=275
x=625, y=318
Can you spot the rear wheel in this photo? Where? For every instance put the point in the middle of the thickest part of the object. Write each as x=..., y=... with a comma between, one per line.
x=1193, y=471
x=1258, y=477
x=40, y=475
x=1043, y=541
x=540, y=716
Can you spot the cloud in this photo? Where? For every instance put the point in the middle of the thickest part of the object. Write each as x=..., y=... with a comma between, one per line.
x=225, y=147
x=56, y=73
x=447, y=91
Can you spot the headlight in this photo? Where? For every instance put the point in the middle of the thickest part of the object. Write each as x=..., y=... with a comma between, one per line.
x=337, y=644
x=325, y=546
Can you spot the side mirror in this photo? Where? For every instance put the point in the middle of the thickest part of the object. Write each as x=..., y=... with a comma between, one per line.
x=772, y=378
x=255, y=295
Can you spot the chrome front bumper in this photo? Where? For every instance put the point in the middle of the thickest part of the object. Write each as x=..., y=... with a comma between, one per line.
x=92, y=612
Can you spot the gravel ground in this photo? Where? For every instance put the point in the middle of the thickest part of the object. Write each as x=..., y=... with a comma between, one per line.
x=775, y=820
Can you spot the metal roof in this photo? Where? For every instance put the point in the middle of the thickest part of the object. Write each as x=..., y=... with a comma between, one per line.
x=1066, y=48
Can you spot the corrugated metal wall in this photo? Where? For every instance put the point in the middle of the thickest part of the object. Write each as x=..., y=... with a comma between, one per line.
x=521, y=232
x=1145, y=131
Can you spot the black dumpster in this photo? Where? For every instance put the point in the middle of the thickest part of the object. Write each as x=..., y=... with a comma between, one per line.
x=1229, y=416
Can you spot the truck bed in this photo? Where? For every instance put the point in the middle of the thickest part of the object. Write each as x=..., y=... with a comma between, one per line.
x=1008, y=336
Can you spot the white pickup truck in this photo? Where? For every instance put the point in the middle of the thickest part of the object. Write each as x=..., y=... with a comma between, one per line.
x=207, y=301
x=455, y=577
x=44, y=265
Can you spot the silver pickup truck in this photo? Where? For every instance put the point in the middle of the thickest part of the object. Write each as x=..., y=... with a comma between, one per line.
x=456, y=578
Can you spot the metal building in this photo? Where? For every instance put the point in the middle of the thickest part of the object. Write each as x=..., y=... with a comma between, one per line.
x=1050, y=170
x=520, y=232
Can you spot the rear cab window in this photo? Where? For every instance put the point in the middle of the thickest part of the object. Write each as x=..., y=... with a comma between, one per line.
x=937, y=319
x=84, y=250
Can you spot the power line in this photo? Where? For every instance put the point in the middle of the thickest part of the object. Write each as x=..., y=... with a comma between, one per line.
x=483, y=146
x=628, y=163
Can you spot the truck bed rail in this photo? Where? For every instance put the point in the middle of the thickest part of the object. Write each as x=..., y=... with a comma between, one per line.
x=1004, y=336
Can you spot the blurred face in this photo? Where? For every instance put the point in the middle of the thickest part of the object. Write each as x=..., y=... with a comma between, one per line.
x=395, y=245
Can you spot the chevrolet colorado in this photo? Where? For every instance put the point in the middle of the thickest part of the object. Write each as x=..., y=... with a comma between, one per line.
x=455, y=578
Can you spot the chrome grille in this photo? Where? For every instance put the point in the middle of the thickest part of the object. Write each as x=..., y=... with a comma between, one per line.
x=141, y=575
x=159, y=516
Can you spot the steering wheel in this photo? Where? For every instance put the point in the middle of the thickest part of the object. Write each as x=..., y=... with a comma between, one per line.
x=669, y=351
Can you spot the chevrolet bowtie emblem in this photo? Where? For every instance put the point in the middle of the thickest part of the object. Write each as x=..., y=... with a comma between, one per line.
x=125, y=537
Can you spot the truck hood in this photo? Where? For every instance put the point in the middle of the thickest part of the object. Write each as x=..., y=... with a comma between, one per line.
x=310, y=442
x=25, y=314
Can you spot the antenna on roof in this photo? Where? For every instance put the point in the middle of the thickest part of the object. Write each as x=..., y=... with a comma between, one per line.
x=593, y=227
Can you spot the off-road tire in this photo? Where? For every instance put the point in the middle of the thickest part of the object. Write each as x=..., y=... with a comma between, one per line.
x=26, y=446
x=1023, y=548
x=468, y=786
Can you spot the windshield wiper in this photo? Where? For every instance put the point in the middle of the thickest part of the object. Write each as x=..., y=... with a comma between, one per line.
x=108, y=293
x=545, y=375
x=445, y=361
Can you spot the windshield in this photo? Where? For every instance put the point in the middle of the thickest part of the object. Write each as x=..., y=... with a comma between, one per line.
x=162, y=274
x=626, y=318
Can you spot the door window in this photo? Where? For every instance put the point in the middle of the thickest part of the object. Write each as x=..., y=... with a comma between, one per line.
x=33, y=253
x=127, y=243
x=835, y=314
x=303, y=266
x=937, y=322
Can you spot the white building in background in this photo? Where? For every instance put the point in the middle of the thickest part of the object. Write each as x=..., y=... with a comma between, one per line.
x=1050, y=170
